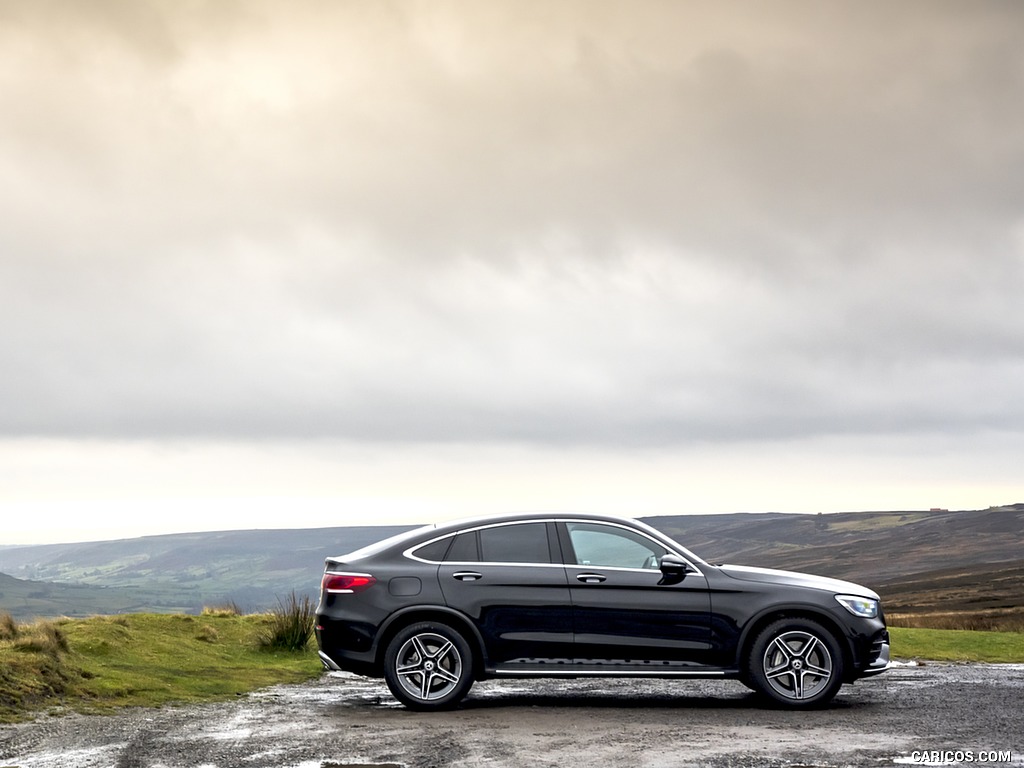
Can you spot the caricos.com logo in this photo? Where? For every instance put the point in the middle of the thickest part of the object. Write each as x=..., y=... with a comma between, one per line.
x=958, y=756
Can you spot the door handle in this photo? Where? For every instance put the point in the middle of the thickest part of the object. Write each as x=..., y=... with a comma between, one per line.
x=467, y=575
x=590, y=578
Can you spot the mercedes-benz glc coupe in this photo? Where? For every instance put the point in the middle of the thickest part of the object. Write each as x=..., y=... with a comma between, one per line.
x=570, y=595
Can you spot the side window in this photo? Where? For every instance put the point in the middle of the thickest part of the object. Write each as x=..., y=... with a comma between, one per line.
x=435, y=551
x=464, y=548
x=524, y=543
x=611, y=547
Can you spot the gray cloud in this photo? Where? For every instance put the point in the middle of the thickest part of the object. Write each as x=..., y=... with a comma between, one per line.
x=557, y=223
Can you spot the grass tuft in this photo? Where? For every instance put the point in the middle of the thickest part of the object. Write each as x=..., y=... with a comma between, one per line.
x=43, y=637
x=208, y=634
x=227, y=608
x=291, y=625
x=34, y=666
x=8, y=627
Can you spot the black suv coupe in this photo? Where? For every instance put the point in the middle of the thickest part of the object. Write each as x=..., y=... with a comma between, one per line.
x=569, y=595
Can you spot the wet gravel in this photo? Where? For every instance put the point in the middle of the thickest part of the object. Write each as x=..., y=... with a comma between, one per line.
x=342, y=720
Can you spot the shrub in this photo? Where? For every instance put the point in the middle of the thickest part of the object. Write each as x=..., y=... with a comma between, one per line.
x=291, y=625
x=8, y=627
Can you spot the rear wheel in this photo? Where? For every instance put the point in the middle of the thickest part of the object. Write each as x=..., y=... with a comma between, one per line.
x=428, y=666
x=796, y=663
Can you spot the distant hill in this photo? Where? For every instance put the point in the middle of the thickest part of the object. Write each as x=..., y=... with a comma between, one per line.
x=175, y=572
x=25, y=599
x=918, y=561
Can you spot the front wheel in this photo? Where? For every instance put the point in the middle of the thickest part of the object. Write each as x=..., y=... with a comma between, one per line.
x=796, y=663
x=428, y=666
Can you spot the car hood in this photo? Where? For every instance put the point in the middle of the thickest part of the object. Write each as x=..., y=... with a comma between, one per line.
x=794, y=579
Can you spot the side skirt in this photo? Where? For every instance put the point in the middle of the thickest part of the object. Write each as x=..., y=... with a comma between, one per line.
x=606, y=668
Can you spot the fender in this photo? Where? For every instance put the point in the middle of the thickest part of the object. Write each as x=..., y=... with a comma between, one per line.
x=400, y=615
x=789, y=609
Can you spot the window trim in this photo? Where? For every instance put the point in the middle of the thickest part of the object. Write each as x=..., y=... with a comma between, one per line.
x=557, y=546
x=553, y=547
x=566, y=540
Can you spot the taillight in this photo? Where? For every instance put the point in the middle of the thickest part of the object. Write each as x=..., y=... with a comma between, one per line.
x=346, y=583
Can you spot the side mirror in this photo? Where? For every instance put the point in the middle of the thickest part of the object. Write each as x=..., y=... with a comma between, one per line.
x=673, y=570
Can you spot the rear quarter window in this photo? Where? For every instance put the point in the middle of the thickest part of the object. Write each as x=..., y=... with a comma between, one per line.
x=434, y=551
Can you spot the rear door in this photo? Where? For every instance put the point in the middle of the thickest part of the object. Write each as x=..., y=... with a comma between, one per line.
x=509, y=580
x=621, y=613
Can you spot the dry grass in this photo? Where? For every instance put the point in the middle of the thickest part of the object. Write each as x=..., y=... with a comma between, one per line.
x=43, y=637
x=208, y=634
x=8, y=627
x=1010, y=620
x=229, y=608
x=34, y=664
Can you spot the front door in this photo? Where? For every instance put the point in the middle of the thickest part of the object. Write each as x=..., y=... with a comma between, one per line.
x=621, y=614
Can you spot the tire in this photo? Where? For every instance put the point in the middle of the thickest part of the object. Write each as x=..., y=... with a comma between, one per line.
x=796, y=663
x=428, y=666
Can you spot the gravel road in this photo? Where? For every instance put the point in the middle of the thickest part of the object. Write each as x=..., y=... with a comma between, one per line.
x=342, y=720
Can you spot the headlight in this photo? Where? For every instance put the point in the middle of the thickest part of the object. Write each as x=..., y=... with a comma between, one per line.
x=864, y=607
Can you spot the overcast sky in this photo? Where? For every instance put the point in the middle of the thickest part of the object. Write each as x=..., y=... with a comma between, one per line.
x=280, y=264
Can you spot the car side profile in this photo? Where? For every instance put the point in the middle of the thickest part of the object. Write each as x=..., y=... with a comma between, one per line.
x=570, y=595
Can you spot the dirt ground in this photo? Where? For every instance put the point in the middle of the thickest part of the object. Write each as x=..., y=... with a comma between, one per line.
x=342, y=720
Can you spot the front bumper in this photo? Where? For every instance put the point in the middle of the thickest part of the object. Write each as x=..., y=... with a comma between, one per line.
x=881, y=663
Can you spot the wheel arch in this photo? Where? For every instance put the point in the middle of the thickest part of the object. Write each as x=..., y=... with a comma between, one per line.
x=759, y=623
x=440, y=613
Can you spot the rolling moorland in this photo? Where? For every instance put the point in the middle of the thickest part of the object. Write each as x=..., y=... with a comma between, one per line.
x=961, y=569
x=176, y=573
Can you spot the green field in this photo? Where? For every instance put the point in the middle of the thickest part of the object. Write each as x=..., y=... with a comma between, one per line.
x=100, y=663
x=139, y=660
x=957, y=645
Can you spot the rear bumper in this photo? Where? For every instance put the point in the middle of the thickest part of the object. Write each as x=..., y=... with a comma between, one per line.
x=334, y=641
x=328, y=663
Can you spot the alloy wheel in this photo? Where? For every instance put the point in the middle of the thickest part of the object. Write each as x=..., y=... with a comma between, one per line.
x=797, y=665
x=428, y=666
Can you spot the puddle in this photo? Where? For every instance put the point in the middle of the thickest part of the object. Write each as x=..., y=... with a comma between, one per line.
x=69, y=758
